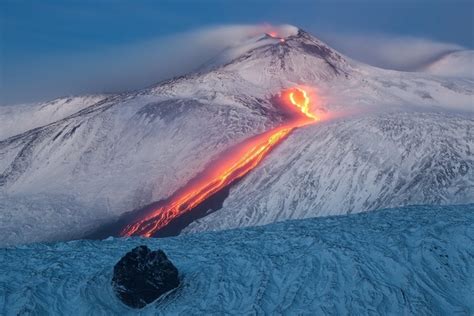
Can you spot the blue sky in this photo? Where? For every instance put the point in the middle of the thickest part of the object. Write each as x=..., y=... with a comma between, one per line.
x=33, y=33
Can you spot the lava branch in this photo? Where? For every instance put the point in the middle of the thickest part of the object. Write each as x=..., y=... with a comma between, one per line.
x=302, y=103
x=228, y=171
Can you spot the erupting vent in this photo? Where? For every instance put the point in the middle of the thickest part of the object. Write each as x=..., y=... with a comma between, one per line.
x=274, y=34
x=225, y=171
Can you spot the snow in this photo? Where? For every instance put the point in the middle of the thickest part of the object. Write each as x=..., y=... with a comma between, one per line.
x=19, y=118
x=112, y=160
x=39, y=220
x=454, y=64
x=360, y=164
x=413, y=260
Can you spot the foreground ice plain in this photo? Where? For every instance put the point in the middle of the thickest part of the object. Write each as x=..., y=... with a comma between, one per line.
x=415, y=260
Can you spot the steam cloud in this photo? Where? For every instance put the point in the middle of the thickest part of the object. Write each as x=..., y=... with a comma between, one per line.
x=126, y=67
x=391, y=52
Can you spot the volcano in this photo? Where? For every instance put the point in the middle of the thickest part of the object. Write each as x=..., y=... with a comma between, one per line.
x=384, y=139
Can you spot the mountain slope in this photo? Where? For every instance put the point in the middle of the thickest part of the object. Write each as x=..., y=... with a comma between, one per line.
x=453, y=64
x=114, y=158
x=131, y=149
x=357, y=164
x=19, y=118
x=414, y=260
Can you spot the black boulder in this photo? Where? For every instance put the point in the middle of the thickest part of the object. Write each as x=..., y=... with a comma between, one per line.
x=142, y=275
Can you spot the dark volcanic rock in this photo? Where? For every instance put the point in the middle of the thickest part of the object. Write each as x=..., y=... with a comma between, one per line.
x=142, y=276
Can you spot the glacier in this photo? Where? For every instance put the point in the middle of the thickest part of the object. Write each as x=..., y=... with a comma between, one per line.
x=414, y=260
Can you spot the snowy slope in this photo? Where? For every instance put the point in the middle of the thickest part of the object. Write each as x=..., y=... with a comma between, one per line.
x=409, y=261
x=113, y=158
x=357, y=164
x=134, y=148
x=454, y=64
x=19, y=118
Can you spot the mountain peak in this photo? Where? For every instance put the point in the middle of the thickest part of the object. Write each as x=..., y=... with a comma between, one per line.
x=268, y=61
x=298, y=57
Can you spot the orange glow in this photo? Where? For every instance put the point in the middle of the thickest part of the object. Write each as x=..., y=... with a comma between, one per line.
x=197, y=193
x=275, y=35
x=300, y=99
x=224, y=171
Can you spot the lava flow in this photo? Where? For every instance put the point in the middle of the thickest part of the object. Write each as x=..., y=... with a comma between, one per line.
x=225, y=171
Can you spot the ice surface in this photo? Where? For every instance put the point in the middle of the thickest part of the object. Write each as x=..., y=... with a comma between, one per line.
x=407, y=261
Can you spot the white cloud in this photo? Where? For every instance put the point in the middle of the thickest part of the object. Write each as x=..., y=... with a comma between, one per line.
x=389, y=51
x=138, y=65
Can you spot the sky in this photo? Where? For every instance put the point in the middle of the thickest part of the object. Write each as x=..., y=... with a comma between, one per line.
x=50, y=48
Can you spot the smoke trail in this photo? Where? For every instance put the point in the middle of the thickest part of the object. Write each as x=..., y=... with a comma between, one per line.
x=125, y=67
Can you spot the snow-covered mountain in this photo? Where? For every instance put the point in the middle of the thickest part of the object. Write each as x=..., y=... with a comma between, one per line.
x=409, y=261
x=387, y=139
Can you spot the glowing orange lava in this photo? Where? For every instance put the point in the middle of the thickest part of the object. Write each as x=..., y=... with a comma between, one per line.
x=273, y=34
x=299, y=98
x=224, y=171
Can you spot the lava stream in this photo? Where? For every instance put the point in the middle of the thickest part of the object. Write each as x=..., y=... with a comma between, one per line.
x=224, y=171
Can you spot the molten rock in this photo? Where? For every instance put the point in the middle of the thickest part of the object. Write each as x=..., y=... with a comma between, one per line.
x=142, y=276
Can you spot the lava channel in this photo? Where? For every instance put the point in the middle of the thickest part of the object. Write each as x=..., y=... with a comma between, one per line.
x=223, y=172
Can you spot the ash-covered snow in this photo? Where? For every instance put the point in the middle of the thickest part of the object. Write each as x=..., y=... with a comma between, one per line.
x=407, y=261
x=130, y=149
